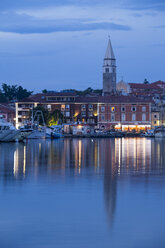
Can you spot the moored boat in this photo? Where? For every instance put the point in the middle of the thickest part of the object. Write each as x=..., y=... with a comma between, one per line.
x=160, y=132
x=8, y=132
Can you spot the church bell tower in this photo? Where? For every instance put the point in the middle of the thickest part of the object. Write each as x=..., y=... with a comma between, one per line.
x=109, y=71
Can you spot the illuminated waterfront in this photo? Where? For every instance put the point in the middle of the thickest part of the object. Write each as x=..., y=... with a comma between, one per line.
x=83, y=193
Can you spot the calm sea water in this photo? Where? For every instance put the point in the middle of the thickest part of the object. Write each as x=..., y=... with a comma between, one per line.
x=80, y=193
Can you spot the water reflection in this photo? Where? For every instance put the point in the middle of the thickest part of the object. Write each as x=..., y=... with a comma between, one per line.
x=110, y=159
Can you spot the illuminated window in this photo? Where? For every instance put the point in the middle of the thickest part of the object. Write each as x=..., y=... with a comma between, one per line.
x=49, y=107
x=112, y=109
x=112, y=117
x=133, y=117
x=102, y=109
x=67, y=114
x=62, y=107
x=123, y=109
x=143, y=117
x=144, y=108
x=133, y=109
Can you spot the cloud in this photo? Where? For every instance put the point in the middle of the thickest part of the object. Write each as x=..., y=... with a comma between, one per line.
x=25, y=24
x=59, y=27
x=162, y=26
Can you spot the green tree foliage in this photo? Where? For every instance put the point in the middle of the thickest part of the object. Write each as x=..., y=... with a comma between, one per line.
x=85, y=92
x=146, y=81
x=44, y=91
x=55, y=118
x=13, y=92
x=50, y=118
x=2, y=97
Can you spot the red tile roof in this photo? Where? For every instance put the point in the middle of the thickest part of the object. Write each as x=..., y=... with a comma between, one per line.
x=41, y=97
x=144, y=86
x=6, y=109
x=123, y=99
x=159, y=83
x=97, y=99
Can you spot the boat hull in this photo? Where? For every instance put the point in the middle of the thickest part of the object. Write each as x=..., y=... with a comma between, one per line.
x=160, y=134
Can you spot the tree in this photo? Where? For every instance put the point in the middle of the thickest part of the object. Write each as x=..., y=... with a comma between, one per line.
x=2, y=97
x=55, y=117
x=44, y=91
x=38, y=117
x=146, y=81
x=50, y=118
x=14, y=92
x=22, y=93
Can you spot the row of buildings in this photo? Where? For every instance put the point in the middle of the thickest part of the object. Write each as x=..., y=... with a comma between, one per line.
x=123, y=105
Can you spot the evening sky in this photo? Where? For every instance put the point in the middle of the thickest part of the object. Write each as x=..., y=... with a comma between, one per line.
x=57, y=44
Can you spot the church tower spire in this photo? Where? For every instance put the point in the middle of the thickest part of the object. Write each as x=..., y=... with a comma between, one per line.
x=109, y=71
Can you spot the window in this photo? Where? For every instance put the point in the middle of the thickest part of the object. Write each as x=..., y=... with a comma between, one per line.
x=133, y=117
x=19, y=120
x=123, y=117
x=133, y=109
x=143, y=117
x=155, y=116
x=107, y=70
x=90, y=114
x=112, y=117
x=83, y=106
x=144, y=109
x=90, y=106
x=122, y=109
x=154, y=122
x=62, y=107
x=102, y=109
x=103, y=117
x=83, y=113
x=49, y=107
x=67, y=106
x=67, y=114
x=112, y=109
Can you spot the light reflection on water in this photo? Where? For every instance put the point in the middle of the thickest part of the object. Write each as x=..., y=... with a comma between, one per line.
x=83, y=193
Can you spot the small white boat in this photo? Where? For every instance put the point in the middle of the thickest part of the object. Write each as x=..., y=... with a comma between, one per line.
x=8, y=132
x=160, y=132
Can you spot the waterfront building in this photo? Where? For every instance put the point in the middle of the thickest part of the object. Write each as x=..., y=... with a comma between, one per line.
x=105, y=112
x=145, y=90
x=109, y=71
x=73, y=107
x=7, y=113
x=159, y=83
x=124, y=113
